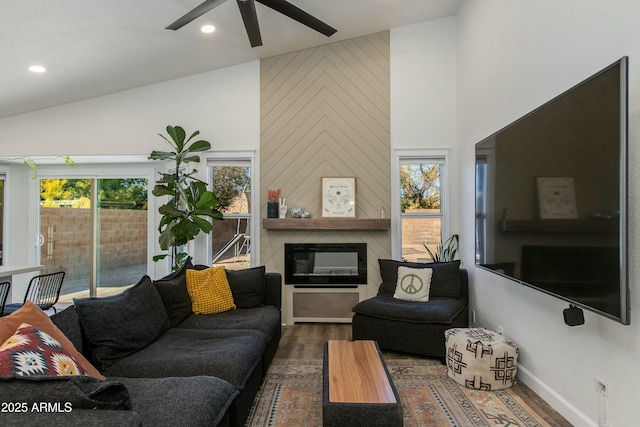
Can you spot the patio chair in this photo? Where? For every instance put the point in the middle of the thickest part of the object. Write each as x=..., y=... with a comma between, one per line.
x=43, y=291
x=4, y=293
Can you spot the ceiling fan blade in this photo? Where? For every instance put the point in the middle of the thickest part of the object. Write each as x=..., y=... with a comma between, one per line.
x=250, y=19
x=195, y=13
x=299, y=15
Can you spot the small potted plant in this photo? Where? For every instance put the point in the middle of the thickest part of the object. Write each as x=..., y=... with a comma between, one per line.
x=273, y=203
x=446, y=251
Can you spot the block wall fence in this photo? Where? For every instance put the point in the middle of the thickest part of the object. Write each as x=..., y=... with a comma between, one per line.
x=67, y=237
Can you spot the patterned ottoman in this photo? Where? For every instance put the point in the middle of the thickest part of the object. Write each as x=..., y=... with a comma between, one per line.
x=481, y=359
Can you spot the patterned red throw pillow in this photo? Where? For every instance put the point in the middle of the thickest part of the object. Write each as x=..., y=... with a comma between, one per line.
x=32, y=352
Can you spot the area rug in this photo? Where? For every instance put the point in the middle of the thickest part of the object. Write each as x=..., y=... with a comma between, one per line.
x=291, y=395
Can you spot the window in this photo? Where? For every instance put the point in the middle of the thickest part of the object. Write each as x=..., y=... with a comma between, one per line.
x=232, y=181
x=421, y=206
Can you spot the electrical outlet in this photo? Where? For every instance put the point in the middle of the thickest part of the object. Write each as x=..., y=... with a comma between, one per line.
x=500, y=330
x=473, y=317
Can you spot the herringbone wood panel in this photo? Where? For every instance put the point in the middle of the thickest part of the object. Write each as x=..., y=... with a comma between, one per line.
x=325, y=112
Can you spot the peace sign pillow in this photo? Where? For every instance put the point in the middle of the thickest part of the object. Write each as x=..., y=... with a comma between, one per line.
x=413, y=284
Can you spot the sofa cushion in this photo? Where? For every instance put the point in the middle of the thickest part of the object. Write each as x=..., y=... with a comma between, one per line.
x=175, y=401
x=68, y=322
x=120, y=325
x=32, y=352
x=445, y=281
x=174, y=295
x=413, y=284
x=209, y=291
x=228, y=354
x=265, y=319
x=33, y=315
x=436, y=310
x=247, y=286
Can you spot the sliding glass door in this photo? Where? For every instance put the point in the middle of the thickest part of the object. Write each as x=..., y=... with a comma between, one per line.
x=94, y=229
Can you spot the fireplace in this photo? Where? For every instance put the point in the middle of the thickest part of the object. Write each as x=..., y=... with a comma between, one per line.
x=325, y=264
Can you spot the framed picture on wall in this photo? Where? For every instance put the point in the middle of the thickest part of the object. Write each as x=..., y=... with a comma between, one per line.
x=557, y=197
x=338, y=197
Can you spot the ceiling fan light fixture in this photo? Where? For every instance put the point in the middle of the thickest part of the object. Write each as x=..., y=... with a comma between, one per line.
x=207, y=29
x=250, y=18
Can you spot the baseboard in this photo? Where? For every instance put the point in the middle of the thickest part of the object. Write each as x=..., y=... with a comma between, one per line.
x=557, y=402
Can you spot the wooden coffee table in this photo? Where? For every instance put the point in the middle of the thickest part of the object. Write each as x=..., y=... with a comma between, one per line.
x=357, y=388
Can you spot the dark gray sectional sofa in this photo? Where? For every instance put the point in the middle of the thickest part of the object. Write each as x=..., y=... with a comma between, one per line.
x=164, y=365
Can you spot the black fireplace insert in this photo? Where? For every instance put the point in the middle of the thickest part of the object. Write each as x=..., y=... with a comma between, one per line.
x=325, y=264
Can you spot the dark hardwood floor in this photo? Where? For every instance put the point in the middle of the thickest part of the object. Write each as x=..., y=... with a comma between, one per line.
x=306, y=342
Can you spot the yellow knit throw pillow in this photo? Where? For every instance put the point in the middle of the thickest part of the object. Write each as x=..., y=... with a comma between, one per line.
x=209, y=290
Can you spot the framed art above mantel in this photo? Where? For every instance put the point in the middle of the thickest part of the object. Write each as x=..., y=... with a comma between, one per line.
x=338, y=197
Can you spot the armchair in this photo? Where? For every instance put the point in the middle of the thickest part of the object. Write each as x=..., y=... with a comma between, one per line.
x=411, y=326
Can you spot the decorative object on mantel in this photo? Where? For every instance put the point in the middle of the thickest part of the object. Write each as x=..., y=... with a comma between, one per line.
x=298, y=212
x=273, y=204
x=283, y=208
x=338, y=197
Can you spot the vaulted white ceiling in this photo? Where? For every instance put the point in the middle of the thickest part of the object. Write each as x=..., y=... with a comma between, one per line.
x=95, y=47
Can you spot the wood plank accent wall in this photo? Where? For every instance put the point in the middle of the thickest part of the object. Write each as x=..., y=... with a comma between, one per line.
x=325, y=112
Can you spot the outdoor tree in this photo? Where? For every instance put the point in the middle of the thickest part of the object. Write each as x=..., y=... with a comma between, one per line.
x=123, y=193
x=117, y=193
x=229, y=182
x=65, y=192
x=420, y=186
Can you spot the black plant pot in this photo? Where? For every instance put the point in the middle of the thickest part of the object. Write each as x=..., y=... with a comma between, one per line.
x=273, y=209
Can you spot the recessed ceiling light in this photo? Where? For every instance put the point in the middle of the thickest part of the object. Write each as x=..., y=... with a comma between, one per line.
x=37, y=69
x=207, y=29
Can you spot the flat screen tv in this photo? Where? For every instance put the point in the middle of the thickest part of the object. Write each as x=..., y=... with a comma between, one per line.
x=551, y=197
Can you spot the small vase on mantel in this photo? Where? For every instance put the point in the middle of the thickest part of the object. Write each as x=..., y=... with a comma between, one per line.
x=273, y=203
x=273, y=209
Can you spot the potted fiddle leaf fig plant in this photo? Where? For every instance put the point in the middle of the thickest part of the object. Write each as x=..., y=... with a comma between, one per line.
x=191, y=207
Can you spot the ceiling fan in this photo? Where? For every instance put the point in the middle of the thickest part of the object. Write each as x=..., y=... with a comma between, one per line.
x=248, y=12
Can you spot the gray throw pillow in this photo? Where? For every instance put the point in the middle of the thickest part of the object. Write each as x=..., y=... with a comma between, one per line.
x=247, y=286
x=120, y=325
x=174, y=295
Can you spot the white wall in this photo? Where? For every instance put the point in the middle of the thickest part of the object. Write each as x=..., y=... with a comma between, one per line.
x=514, y=55
x=224, y=105
x=423, y=102
x=423, y=85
